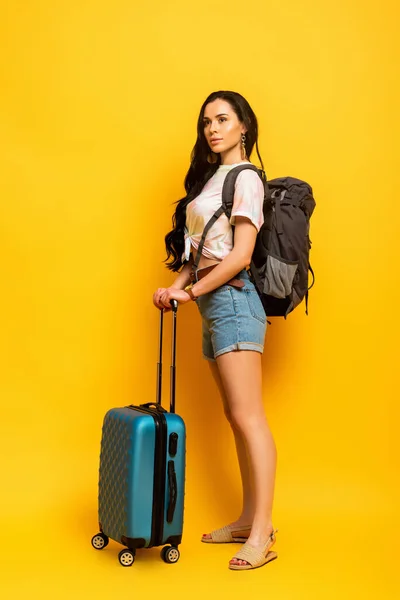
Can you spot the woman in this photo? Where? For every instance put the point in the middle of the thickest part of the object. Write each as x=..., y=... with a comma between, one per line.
x=233, y=319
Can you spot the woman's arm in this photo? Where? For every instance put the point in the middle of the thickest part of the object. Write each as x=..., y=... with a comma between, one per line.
x=183, y=278
x=237, y=259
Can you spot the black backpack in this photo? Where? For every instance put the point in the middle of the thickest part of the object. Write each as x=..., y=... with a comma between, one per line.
x=280, y=261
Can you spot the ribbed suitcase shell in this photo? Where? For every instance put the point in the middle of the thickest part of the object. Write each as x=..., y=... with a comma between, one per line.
x=128, y=501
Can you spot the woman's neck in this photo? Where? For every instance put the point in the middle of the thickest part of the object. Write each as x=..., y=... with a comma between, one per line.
x=232, y=158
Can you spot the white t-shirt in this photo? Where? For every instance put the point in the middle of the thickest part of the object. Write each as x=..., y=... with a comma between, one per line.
x=247, y=202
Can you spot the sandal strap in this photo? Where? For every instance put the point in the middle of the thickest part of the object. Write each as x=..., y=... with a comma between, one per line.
x=253, y=556
x=221, y=535
x=250, y=554
x=270, y=542
x=224, y=534
x=272, y=535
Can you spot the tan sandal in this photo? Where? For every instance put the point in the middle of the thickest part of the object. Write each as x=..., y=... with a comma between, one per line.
x=224, y=535
x=254, y=557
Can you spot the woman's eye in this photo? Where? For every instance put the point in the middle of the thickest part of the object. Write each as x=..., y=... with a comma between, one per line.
x=221, y=119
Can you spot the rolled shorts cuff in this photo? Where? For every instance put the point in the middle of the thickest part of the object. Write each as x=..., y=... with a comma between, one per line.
x=238, y=346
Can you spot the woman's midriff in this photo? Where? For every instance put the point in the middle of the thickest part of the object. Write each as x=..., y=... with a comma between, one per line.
x=204, y=261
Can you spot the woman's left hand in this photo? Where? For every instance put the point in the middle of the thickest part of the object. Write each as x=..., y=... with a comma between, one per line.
x=174, y=294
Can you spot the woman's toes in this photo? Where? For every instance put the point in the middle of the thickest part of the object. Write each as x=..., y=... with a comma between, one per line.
x=238, y=562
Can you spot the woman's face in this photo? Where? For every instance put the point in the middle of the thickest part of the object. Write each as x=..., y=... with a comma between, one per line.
x=222, y=128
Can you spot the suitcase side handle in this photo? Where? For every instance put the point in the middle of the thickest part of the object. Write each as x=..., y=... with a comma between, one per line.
x=173, y=491
x=174, y=306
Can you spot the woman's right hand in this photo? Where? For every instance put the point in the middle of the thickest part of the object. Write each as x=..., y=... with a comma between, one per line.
x=156, y=299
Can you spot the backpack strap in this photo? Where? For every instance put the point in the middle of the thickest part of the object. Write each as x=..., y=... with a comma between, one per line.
x=228, y=189
x=278, y=197
x=306, y=294
x=313, y=276
x=228, y=192
x=207, y=228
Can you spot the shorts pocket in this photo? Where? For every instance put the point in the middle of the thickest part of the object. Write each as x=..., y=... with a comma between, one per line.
x=279, y=275
x=255, y=306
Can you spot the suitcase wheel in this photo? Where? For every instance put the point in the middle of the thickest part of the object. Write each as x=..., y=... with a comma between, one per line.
x=170, y=554
x=99, y=541
x=126, y=557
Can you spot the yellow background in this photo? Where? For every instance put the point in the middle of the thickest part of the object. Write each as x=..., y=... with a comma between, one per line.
x=98, y=110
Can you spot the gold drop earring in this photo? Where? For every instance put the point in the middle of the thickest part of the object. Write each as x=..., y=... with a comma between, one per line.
x=244, y=155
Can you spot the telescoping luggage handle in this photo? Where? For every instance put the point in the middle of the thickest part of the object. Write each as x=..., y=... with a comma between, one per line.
x=174, y=305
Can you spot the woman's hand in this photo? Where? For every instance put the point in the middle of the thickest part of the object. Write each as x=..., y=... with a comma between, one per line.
x=157, y=297
x=163, y=296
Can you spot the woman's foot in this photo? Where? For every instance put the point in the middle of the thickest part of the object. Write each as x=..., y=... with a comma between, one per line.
x=260, y=543
x=238, y=530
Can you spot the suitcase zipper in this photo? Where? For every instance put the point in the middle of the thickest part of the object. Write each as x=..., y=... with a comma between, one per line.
x=160, y=466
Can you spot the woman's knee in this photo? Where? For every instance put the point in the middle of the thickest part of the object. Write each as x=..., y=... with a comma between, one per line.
x=244, y=418
x=234, y=418
x=228, y=414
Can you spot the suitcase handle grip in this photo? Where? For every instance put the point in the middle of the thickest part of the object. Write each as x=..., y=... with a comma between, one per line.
x=154, y=405
x=174, y=306
x=173, y=491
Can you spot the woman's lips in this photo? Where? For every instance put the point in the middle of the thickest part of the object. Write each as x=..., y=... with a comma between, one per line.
x=216, y=141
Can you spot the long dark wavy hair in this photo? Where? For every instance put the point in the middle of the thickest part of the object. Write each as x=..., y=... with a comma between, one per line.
x=201, y=170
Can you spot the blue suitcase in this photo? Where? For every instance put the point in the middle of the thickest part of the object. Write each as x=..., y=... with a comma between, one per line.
x=142, y=473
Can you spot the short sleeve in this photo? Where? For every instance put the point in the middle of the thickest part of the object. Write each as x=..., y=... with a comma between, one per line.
x=248, y=199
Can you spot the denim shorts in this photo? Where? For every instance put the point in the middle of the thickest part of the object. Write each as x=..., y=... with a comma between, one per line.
x=232, y=319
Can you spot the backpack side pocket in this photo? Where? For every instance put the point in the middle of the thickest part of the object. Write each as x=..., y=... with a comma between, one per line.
x=279, y=276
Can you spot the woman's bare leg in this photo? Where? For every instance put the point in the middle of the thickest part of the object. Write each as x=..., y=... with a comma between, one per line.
x=241, y=378
x=247, y=514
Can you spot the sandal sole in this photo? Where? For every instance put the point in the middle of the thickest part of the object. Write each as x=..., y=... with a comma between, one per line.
x=234, y=541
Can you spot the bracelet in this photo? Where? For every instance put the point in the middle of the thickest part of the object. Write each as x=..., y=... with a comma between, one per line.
x=188, y=290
